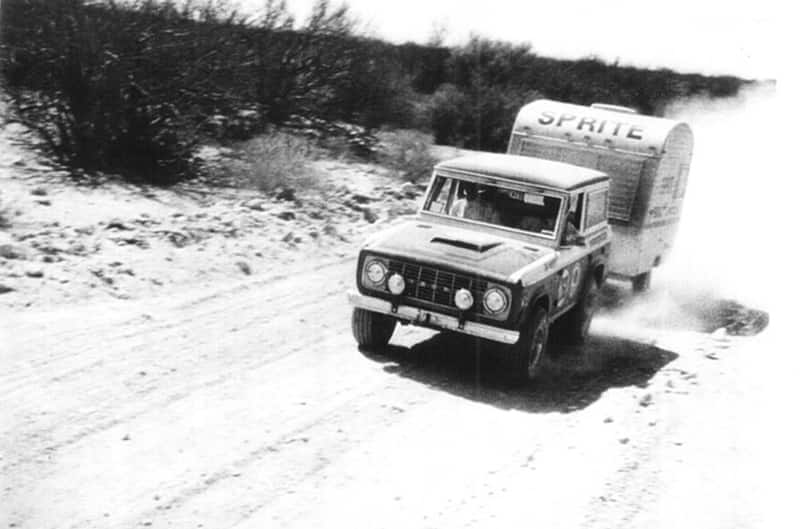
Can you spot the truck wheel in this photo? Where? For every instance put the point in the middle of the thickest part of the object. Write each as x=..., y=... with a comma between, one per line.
x=575, y=327
x=526, y=355
x=370, y=329
x=641, y=282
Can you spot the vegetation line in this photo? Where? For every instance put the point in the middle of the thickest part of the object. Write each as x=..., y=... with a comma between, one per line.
x=134, y=87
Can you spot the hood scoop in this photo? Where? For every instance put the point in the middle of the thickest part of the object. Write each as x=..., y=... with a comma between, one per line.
x=475, y=246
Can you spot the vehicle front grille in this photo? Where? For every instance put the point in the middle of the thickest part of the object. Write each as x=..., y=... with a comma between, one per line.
x=434, y=285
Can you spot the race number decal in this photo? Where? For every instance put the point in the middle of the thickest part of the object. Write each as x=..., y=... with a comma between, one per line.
x=568, y=282
x=563, y=286
x=575, y=280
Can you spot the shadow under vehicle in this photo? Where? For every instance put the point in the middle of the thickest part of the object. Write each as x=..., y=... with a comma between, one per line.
x=573, y=376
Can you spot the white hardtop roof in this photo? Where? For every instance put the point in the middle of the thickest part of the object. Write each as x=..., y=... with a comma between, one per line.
x=525, y=168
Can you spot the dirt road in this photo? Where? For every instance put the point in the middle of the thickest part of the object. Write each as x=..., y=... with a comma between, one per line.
x=251, y=407
x=248, y=404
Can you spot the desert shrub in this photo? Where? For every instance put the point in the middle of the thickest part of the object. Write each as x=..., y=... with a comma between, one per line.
x=447, y=115
x=408, y=152
x=478, y=109
x=479, y=117
x=426, y=65
x=133, y=86
x=374, y=93
x=488, y=81
x=112, y=86
x=277, y=160
x=341, y=139
x=300, y=70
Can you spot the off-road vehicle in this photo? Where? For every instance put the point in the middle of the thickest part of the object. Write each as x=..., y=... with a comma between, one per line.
x=505, y=246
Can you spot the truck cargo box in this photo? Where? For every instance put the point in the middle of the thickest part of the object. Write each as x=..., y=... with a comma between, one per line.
x=647, y=159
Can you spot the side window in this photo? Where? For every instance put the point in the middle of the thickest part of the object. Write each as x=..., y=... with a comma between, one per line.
x=575, y=215
x=573, y=222
x=596, y=208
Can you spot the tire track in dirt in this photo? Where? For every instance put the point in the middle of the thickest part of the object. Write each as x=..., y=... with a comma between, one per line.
x=50, y=336
x=232, y=364
x=283, y=418
x=325, y=327
x=289, y=457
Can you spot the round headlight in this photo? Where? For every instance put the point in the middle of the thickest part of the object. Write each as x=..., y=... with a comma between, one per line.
x=495, y=300
x=376, y=272
x=396, y=284
x=463, y=299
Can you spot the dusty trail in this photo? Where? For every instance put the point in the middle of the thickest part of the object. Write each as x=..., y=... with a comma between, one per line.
x=248, y=405
x=253, y=407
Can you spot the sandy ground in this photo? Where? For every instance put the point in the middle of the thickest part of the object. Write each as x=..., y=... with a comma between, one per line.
x=221, y=398
x=69, y=243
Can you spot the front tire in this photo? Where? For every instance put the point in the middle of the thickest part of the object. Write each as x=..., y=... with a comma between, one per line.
x=372, y=330
x=525, y=357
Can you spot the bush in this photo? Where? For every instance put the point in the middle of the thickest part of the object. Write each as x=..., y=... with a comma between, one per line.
x=339, y=138
x=277, y=160
x=447, y=115
x=133, y=86
x=478, y=110
x=479, y=117
x=374, y=93
x=113, y=87
x=490, y=80
x=408, y=152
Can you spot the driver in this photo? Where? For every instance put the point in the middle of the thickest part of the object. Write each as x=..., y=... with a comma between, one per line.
x=467, y=192
x=571, y=227
x=483, y=208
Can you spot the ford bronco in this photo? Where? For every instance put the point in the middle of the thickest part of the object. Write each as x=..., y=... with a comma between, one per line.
x=502, y=247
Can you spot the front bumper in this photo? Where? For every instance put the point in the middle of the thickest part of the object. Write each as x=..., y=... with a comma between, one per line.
x=427, y=318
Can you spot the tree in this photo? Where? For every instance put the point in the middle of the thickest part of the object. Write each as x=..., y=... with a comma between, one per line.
x=111, y=86
x=297, y=70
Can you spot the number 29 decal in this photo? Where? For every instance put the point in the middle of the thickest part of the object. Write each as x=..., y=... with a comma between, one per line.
x=568, y=282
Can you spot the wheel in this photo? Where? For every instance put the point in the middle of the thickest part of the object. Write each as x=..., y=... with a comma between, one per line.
x=370, y=329
x=641, y=282
x=574, y=327
x=526, y=355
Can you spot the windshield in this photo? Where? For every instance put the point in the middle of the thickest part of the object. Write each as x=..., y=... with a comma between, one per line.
x=529, y=211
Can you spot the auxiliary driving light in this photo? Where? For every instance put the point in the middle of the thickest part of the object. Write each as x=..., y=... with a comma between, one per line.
x=495, y=300
x=376, y=272
x=463, y=299
x=396, y=284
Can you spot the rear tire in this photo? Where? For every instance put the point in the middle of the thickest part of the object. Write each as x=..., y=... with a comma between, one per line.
x=525, y=357
x=372, y=330
x=574, y=330
x=641, y=282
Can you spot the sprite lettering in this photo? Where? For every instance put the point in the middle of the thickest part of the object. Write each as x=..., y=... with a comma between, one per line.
x=586, y=124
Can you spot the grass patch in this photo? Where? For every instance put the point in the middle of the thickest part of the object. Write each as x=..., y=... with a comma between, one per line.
x=408, y=153
x=277, y=160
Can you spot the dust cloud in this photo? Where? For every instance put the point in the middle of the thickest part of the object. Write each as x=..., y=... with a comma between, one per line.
x=730, y=253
